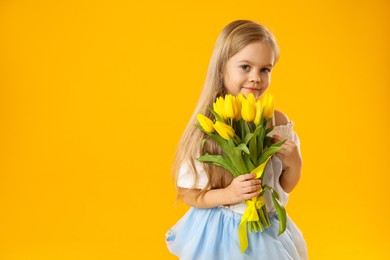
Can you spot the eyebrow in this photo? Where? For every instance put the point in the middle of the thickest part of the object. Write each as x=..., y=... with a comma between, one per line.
x=268, y=65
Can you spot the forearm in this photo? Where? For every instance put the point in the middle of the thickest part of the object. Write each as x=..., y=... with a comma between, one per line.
x=290, y=178
x=209, y=199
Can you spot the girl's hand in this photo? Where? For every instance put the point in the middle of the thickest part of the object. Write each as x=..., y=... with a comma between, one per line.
x=243, y=187
x=289, y=154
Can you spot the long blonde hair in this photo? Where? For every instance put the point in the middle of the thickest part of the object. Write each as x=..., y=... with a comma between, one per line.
x=234, y=37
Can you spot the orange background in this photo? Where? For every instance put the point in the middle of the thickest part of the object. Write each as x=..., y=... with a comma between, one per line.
x=94, y=97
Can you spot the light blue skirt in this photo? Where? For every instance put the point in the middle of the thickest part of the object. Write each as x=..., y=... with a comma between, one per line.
x=212, y=234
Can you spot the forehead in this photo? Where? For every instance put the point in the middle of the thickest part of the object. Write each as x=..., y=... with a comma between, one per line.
x=255, y=53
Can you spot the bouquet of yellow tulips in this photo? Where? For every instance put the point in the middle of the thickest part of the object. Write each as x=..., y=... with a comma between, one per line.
x=240, y=129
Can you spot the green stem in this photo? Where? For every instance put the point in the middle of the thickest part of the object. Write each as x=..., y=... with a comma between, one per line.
x=264, y=209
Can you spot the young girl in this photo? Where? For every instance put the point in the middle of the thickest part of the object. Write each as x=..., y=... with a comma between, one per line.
x=243, y=58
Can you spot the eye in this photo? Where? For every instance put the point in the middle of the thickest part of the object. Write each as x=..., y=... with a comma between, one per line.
x=245, y=67
x=265, y=70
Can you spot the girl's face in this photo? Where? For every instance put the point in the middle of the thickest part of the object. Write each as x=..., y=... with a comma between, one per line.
x=249, y=70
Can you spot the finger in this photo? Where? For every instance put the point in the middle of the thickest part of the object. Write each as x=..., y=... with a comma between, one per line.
x=251, y=195
x=245, y=177
x=277, y=137
x=288, y=143
x=252, y=189
x=253, y=182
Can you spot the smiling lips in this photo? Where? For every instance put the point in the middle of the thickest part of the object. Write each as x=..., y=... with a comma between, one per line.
x=252, y=89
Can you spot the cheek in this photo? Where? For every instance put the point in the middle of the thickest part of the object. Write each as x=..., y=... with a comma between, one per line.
x=232, y=82
x=232, y=88
x=266, y=80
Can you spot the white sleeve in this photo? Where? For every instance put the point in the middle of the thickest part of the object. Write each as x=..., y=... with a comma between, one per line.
x=272, y=174
x=274, y=168
x=186, y=178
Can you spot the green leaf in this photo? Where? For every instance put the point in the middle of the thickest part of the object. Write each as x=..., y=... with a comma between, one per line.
x=264, y=209
x=262, y=118
x=248, y=163
x=267, y=141
x=248, y=137
x=236, y=158
x=200, y=128
x=279, y=143
x=260, y=140
x=246, y=126
x=281, y=212
x=237, y=139
x=253, y=147
x=221, y=161
x=241, y=128
x=218, y=117
x=262, y=217
x=271, y=150
x=269, y=188
x=222, y=143
x=242, y=147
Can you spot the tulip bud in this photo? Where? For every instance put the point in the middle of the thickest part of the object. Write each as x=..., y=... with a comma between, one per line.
x=268, y=105
x=237, y=106
x=205, y=123
x=248, y=109
x=219, y=107
x=229, y=106
x=224, y=130
x=258, y=113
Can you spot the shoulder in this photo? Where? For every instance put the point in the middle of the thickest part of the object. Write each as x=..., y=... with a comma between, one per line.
x=281, y=118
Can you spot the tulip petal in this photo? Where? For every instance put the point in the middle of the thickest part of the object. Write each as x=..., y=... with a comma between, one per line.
x=229, y=106
x=224, y=130
x=259, y=113
x=205, y=123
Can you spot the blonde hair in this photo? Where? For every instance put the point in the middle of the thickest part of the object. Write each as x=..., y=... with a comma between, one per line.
x=234, y=37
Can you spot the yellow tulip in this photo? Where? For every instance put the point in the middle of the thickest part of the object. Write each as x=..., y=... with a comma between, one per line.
x=224, y=130
x=268, y=105
x=248, y=108
x=230, y=110
x=219, y=107
x=237, y=105
x=258, y=113
x=205, y=123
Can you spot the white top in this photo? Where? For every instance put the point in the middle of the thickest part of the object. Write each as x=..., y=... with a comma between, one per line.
x=272, y=173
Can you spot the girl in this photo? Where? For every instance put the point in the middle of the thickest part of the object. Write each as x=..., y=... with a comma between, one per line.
x=243, y=58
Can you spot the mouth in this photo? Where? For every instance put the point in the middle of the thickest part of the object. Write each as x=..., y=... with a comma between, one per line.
x=251, y=89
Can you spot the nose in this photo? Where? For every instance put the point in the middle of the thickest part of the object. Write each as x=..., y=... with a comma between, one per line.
x=254, y=77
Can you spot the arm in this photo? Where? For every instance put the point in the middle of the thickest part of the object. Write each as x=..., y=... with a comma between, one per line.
x=292, y=164
x=290, y=156
x=242, y=188
x=290, y=178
